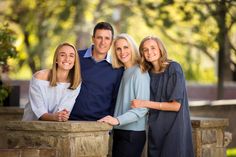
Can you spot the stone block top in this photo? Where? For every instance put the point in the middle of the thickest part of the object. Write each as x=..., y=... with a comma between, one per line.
x=49, y=126
x=11, y=110
x=205, y=122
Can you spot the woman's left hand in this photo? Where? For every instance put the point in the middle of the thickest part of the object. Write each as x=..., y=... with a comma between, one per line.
x=110, y=120
x=137, y=103
x=62, y=116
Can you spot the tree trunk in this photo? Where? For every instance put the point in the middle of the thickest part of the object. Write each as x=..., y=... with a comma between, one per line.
x=228, y=72
x=222, y=42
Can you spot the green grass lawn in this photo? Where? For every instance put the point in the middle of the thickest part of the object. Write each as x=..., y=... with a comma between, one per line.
x=231, y=152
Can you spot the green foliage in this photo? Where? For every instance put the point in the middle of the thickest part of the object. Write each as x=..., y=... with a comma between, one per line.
x=196, y=25
x=188, y=28
x=7, y=49
x=4, y=90
x=42, y=25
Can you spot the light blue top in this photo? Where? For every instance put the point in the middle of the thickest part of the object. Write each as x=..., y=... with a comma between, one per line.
x=46, y=99
x=134, y=85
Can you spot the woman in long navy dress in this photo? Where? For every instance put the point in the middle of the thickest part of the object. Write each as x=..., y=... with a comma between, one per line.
x=169, y=124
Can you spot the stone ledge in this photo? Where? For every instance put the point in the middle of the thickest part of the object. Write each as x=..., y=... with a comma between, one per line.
x=48, y=126
x=70, y=139
x=11, y=110
x=212, y=103
x=10, y=113
x=200, y=122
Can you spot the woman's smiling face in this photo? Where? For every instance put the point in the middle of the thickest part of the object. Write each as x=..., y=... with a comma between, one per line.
x=66, y=57
x=151, y=50
x=123, y=52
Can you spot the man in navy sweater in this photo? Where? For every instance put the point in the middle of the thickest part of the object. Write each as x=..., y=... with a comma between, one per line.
x=100, y=82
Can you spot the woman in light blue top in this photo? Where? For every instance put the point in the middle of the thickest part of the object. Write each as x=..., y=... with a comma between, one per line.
x=52, y=92
x=129, y=124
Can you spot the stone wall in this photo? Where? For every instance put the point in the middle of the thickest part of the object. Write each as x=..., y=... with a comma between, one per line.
x=28, y=152
x=221, y=109
x=70, y=139
x=8, y=114
x=209, y=136
x=78, y=138
x=11, y=113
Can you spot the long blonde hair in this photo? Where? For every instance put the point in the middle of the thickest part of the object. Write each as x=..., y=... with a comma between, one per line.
x=116, y=63
x=74, y=74
x=163, y=60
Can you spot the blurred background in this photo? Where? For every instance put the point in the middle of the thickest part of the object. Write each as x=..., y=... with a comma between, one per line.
x=199, y=34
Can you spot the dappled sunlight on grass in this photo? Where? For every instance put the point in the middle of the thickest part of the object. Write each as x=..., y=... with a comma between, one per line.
x=231, y=152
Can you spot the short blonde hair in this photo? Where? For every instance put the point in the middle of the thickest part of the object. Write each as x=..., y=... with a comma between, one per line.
x=163, y=60
x=116, y=63
x=74, y=74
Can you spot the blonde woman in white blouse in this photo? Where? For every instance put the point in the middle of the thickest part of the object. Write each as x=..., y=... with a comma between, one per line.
x=52, y=92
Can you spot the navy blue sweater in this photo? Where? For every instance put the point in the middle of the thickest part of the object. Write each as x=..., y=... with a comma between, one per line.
x=100, y=84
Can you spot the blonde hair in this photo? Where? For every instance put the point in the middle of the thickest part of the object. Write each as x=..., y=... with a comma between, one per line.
x=74, y=74
x=116, y=63
x=163, y=60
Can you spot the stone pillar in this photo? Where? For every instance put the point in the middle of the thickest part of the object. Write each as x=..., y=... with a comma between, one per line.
x=209, y=136
x=11, y=113
x=70, y=139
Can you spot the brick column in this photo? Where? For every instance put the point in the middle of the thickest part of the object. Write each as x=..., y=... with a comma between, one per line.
x=11, y=113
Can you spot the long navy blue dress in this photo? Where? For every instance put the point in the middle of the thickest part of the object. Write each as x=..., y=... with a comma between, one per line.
x=170, y=133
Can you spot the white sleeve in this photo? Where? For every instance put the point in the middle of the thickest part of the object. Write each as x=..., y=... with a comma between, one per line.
x=28, y=113
x=36, y=100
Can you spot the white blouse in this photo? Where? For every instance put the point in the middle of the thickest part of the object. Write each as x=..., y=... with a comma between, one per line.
x=46, y=99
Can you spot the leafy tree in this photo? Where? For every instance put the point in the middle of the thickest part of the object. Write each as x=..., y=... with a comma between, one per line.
x=7, y=50
x=208, y=26
x=41, y=24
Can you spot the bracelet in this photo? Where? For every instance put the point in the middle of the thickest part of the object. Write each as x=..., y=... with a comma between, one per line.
x=118, y=122
x=160, y=106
